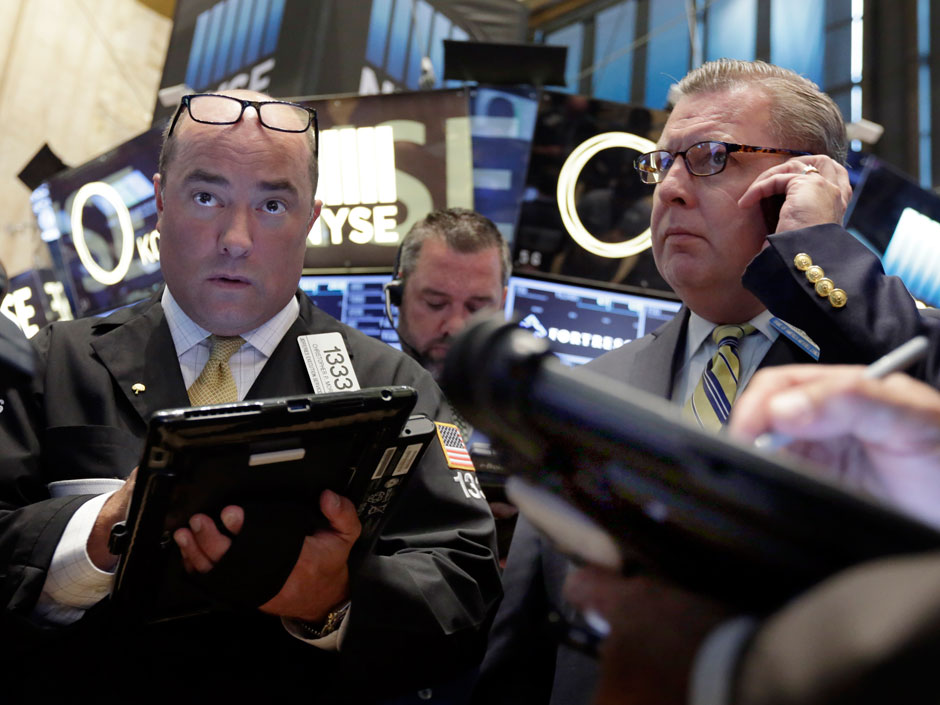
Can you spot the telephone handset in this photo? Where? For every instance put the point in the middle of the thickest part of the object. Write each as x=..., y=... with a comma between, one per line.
x=770, y=207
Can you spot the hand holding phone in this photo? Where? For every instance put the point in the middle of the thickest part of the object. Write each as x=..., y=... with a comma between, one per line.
x=816, y=187
x=770, y=207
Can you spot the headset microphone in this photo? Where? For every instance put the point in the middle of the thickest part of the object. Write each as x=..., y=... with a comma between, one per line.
x=393, y=290
x=393, y=293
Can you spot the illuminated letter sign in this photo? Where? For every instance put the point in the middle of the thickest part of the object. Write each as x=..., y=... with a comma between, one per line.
x=17, y=308
x=110, y=194
x=568, y=179
x=357, y=169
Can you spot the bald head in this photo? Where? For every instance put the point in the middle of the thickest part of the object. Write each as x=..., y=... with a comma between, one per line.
x=183, y=122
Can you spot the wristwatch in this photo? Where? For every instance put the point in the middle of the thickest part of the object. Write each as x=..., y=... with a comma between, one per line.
x=318, y=630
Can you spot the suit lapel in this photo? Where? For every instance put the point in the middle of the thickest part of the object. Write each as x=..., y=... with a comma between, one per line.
x=653, y=366
x=140, y=351
x=784, y=352
x=284, y=373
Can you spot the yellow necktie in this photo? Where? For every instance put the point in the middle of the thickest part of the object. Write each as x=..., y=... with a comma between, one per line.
x=710, y=403
x=215, y=384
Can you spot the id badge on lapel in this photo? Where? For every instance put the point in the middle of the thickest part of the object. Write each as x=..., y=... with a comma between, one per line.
x=327, y=362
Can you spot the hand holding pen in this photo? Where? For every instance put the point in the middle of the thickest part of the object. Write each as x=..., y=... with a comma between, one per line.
x=871, y=430
x=898, y=359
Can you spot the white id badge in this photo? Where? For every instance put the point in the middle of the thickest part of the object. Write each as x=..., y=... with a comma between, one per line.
x=327, y=363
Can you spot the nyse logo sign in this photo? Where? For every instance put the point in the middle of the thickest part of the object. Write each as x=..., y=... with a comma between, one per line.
x=357, y=186
x=230, y=40
x=367, y=199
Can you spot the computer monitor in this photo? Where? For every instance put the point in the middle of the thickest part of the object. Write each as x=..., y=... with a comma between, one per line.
x=355, y=299
x=582, y=322
x=900, y=221
x=914, y=254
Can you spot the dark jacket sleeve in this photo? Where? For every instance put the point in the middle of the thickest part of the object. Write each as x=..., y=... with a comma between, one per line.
x=879, y=313
x=525, y=663
x=30, y=522
x=431, y=586
x=520, y=657
x=48, y=432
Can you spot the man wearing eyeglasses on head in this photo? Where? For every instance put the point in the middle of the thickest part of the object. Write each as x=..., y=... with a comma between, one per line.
x=748, y=200
x=235, y=201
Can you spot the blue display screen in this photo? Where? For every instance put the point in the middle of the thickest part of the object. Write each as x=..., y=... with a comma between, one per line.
x=900, y=221
x=580, y=322
x=355, y=299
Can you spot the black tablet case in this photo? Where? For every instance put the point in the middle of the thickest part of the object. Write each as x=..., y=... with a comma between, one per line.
x=279, y=453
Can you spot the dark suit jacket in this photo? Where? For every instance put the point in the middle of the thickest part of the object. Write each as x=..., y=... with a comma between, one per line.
x=420, y=602
x=879, y=316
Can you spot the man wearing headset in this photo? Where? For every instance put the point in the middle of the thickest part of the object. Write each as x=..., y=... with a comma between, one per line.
x=451, y=264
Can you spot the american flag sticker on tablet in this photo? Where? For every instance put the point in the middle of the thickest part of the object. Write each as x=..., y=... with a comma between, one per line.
x=455, y=450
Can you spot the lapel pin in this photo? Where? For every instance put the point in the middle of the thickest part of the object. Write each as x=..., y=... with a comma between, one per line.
x=138, y=388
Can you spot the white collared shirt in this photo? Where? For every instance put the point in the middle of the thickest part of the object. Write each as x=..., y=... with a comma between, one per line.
x=192, y=343
x=700, y=348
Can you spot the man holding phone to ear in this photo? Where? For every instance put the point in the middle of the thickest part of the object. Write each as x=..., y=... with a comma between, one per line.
x=750, y=193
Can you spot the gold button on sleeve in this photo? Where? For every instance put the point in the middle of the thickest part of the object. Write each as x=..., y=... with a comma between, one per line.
x=824, y=286
x=803, y=261
x=838, y=298
x=815, y=273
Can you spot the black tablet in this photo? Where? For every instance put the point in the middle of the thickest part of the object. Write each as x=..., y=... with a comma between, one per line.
x=616, y=477
x=274, y=457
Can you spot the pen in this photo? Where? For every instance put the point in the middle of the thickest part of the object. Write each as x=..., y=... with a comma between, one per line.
x=898, y=359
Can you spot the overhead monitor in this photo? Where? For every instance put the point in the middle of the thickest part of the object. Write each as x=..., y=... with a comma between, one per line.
x=900, y=221
x=505, y=64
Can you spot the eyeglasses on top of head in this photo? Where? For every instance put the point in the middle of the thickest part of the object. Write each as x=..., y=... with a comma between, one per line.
x=279, y=115
x=701, y=159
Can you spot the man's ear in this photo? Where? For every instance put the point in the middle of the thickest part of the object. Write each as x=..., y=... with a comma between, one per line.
x=158, y=194
x=502, y=301
x=315, y=213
